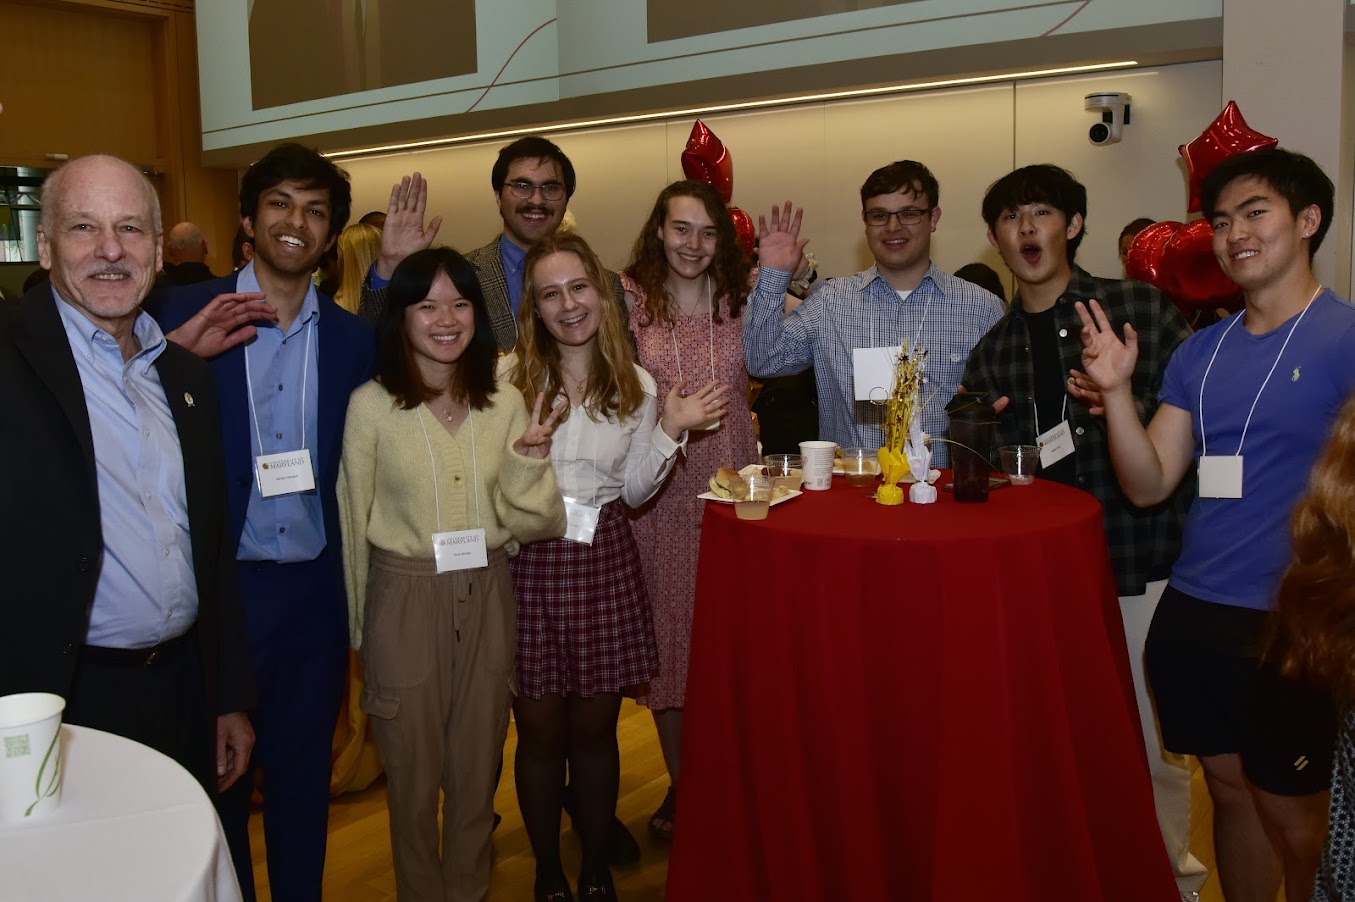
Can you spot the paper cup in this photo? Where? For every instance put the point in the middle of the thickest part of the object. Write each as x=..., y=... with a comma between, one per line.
x=30, y=755
x=818, y=465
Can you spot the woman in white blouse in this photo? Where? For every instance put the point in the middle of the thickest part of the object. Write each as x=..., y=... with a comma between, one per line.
x=584, y=629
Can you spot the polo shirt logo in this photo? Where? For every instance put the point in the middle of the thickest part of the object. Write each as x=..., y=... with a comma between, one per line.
x=1295, y=377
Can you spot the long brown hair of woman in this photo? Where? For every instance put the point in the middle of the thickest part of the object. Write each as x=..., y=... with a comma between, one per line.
x=649, y=265
x=396, y=369
x=614, y=387
x=1314, y=635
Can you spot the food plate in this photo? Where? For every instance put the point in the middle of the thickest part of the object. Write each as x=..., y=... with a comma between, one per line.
x=711, y=496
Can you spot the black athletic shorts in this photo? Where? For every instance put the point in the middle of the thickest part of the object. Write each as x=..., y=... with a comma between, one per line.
x=1216, y=696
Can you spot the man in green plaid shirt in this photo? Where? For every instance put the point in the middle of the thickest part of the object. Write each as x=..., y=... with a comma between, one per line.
x=1035, y=219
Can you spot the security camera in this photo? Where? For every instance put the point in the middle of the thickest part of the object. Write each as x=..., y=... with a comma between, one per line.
x=1114, y=109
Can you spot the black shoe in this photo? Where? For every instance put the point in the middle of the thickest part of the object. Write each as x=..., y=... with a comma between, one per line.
x=556, y=890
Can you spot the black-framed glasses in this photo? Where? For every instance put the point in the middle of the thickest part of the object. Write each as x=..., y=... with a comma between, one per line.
x=909, y=216
x=523, y=190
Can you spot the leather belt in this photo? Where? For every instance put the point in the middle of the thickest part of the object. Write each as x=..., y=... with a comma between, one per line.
x=137, y=657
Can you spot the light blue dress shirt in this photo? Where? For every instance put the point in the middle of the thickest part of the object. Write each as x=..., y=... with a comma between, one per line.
x=146, y=592
x=282, y=368
x=946, y=316
x=513, y=258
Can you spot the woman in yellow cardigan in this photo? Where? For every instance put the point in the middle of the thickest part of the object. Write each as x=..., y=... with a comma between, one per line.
x=443, y=476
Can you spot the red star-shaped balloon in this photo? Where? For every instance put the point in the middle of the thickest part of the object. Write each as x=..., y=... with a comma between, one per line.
x=706, y=159
x=1227, y=135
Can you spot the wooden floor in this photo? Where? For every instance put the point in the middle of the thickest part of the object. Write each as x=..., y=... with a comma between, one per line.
x=358, y=868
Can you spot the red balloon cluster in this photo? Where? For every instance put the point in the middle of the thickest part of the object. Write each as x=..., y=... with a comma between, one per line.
x=1179, y=258
x=706, y=159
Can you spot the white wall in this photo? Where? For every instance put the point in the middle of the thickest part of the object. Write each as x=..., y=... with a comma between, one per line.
x=819, y=154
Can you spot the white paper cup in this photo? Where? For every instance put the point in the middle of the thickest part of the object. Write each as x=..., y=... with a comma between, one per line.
x=30, y=755
x=818, y=468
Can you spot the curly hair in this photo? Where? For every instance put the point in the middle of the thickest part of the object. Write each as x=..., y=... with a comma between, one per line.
x=649, y=264
x=1314, y=635
x=614, y=387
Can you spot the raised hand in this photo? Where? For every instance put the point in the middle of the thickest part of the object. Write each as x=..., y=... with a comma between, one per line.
x=683, y=411
x=780, y=245
x=1106, y=360
x=535, y=440
x=223, y=323
x=404, y=232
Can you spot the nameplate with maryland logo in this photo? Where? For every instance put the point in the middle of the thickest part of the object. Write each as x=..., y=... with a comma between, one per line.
x=284, y=474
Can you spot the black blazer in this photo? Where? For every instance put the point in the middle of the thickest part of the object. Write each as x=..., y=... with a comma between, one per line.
x=51, y=544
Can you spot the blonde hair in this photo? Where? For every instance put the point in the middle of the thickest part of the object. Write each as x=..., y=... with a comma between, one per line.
x=359, y=245
x=614, y=387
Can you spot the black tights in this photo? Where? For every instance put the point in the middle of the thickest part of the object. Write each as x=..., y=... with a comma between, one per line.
x=584, y=730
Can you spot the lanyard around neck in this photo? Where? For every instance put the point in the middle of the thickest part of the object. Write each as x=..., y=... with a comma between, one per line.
x=305, y=373
x=1204, y=448
x=898, y=310
x=474, y=467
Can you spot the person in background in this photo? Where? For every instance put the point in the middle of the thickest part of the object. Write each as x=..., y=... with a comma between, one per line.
x=1315, y=631
x=902, y=300
x=374, y=218
x=1248, y=403
x=358, y=246
x=186, y=255
x=284, y=397
x=1036, y=218
x=984, y=276
x=1127, y=236
x=584, y=630
x=444, y=474
x=685, y=288
x=242, y=249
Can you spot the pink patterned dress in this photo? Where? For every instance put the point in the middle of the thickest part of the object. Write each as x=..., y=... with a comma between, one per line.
x=668, y=528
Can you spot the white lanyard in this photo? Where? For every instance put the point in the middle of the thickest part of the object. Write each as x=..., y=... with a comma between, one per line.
x=474, y=472
x=305, y=373
x=1063, y=414
x=1204, y=452
x=672, y=331
x=917, y=336
x=581, y=518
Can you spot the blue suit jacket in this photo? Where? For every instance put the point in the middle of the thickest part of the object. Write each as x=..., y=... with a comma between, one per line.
x=345, y=354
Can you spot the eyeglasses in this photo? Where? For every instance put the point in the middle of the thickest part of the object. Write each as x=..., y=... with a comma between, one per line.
x=524, y=190
x=909, y=216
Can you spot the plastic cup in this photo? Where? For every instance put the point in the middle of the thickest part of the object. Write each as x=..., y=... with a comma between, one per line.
x=860, y=466
x=818, y=465
x=752, y=496
x=788, y=469
x=1020, y=462
x=30, y=755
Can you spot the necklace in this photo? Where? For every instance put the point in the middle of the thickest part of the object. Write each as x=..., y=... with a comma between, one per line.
x=447, y=413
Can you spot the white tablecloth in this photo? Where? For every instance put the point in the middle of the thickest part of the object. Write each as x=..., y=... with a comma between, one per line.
x=133, y=825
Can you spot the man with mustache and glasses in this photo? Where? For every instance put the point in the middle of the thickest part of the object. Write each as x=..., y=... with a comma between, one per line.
x=120, y=595
x=284, y=397
x=903, y=300
x=533, y=181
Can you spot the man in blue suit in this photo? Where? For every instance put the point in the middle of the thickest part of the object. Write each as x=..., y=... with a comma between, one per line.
x=284, y=395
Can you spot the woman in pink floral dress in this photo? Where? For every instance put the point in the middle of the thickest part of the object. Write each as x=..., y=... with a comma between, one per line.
x=685, y=287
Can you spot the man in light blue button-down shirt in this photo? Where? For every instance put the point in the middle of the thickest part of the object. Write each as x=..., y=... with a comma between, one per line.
x=904, y=299
x=118, y=596
x=284, y=391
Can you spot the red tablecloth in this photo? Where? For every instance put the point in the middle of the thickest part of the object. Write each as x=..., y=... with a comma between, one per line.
x=910, y=703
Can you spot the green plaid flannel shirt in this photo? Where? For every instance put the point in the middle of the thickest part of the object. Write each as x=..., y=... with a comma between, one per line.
x=1144, y=542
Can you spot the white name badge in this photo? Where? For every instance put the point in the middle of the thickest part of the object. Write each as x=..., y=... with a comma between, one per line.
x=463, y=549
x=1221, y=476
x=873, y=372
x=582, y=521
x=1055, y=445
x=284, y=474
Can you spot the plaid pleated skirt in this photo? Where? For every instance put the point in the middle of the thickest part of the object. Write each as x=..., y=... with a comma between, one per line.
x=584, y=624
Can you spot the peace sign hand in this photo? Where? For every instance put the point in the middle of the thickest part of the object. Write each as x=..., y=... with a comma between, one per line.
x=535, y=440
